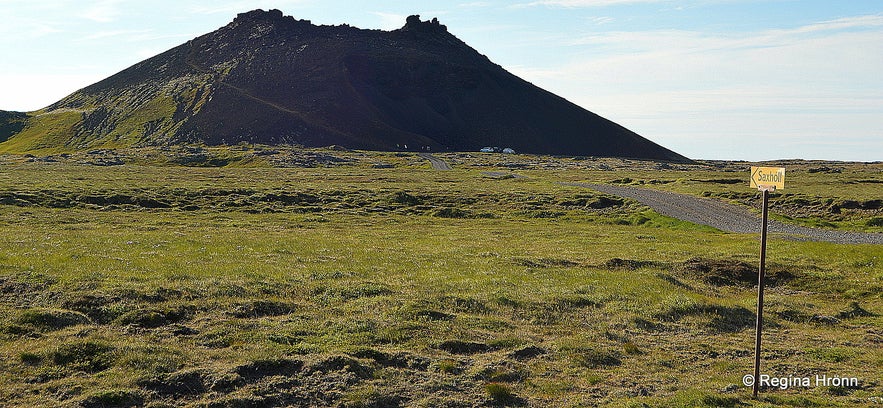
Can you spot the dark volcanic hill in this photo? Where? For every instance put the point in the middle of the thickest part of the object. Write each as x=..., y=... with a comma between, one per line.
x=266, y=78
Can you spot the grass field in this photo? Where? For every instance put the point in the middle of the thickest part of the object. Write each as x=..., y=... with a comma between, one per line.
x=369, y=280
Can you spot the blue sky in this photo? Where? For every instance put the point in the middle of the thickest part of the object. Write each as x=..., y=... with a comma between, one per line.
x=710, y=79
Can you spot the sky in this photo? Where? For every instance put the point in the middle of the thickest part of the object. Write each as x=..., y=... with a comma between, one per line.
x=710, y=79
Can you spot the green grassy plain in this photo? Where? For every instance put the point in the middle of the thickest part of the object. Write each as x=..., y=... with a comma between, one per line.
x=362, y=285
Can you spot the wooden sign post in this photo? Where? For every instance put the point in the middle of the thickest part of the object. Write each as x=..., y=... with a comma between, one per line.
x=765, y=179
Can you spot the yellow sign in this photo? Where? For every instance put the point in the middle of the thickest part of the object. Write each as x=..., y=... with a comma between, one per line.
x=772, y=178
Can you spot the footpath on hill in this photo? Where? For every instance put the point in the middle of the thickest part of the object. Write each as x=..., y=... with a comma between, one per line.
x=724, y=216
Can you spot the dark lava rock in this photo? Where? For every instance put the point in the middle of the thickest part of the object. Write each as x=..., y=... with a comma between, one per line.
x=342, y=363
x=528, y=352
x=271, y=79
x=270, y=367
x=464, y=347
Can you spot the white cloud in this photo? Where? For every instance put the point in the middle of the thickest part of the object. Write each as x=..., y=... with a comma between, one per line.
x=29, y=92
x=801, y=86
x=586, y=3
x=14, y=28
x=869, y=21
x=33, y=30
x=476, y=4
x=242, y=6
x=104, y=11
x=601, y=20
x=390, y=21
x=115, y=33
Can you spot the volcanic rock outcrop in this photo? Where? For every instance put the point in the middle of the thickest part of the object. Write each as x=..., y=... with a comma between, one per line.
x=271, y=79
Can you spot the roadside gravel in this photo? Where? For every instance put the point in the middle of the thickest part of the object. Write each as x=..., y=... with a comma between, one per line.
x=724, y=216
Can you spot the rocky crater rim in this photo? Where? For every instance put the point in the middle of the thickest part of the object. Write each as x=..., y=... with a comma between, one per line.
x=276, y=16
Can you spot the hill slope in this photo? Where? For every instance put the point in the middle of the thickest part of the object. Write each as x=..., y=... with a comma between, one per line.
x=267, y=78
x=11, y=123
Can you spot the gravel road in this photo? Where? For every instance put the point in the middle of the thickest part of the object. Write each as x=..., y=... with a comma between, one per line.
x=724, y=216
x=437, y=163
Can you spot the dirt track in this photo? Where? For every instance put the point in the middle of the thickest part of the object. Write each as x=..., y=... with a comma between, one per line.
x=437, y=164
x=725, y=217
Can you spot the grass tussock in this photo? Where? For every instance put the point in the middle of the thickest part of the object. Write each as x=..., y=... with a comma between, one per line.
x=141, y=284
